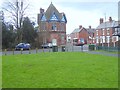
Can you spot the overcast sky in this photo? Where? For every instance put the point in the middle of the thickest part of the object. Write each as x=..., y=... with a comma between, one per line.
x=78, y=12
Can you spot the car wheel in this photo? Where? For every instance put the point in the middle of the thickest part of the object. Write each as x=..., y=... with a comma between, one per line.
x=22, y=49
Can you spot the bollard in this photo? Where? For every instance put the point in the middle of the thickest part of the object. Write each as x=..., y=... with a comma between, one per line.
x=5, y=51
x=13, y=51
x=29, y=51
x=72, y=48
x=67, y=49
x=49, y=49
x=21, y=50
x=82, y=48
x=43, y=49
x=36, y=50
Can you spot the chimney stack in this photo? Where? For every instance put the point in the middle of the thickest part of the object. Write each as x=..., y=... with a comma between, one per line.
x=80, y=26
x=41, y=10
x=89, y=27
x=110, y=19
x=101, y=20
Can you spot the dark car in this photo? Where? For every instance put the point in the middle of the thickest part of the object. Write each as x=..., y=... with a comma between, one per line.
x=23, y=46
x=45, y=45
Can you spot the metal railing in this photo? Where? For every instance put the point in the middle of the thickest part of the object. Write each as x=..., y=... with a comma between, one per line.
x=106, y=48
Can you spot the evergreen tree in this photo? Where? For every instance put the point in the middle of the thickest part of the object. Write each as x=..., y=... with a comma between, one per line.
x=29, y=34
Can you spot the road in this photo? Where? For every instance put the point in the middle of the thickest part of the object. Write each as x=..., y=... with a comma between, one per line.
x=69, y=48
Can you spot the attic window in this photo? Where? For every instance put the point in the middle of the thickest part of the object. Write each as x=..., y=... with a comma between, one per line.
x=63, y=19
x=54, y=18
x=43, y=18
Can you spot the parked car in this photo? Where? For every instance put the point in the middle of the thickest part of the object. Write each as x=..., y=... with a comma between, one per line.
x=23, y=46
x=50, y=45
x=47, y=45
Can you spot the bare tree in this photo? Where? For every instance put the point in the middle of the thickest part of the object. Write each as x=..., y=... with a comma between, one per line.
x=16, y=9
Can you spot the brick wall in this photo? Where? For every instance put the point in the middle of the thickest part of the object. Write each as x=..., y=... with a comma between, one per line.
x=50, y=34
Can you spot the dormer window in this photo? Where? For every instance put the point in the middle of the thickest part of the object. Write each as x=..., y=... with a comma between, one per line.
x=63, y=19
x=54, y=17
x=43, y=18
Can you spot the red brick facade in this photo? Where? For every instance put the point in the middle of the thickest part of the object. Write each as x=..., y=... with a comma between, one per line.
x=104, y=33
x=52, y=25
x=86, y=33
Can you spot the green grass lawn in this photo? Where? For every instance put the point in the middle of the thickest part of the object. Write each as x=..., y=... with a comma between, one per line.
x=59, y=70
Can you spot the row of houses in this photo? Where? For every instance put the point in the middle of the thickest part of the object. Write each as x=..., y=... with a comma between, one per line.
x=52, y=28
x=106, y=33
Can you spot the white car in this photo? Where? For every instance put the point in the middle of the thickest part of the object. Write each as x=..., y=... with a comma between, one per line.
x=50, y=45
x=47, y=45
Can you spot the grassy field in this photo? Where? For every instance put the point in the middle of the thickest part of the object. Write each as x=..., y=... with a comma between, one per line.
x=59, y=70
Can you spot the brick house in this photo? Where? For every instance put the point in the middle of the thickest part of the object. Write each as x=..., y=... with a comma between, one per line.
x=105, y=31
x=52, y=26
x=85, y=33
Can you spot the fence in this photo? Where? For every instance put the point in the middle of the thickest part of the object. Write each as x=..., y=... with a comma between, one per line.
x=54, y=49
x=60, y=49
x=105, y=48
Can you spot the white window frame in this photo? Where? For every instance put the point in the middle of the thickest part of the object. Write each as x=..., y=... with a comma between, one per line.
x=54, y=27
x=108, y=39
x=96, y=32
x=108, y=31
x=97, y=39
x=103, y=39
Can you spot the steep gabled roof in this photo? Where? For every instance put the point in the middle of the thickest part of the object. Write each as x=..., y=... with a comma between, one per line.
x=90, y=30
x=108, y=24
x=52, y=14
x=49, y=12
x=78, y=30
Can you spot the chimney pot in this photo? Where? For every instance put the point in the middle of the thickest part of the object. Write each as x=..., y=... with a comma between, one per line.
x=101, y=20
x=110, y=19
x=80, y=26
x=41, y=10
x=89, y=27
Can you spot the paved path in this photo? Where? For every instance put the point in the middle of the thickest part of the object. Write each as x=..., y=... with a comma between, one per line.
x=104, y=53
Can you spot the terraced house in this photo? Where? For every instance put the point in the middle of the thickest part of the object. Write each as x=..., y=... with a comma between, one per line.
x=87, y=34
x=52, y=26
x=105, y=33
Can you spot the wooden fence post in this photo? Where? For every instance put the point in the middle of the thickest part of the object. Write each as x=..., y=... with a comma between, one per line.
x=5, y=51
x=43, y=49
x=21, y=50
x=29, y=51
x=36, y=50
x=13, y=51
